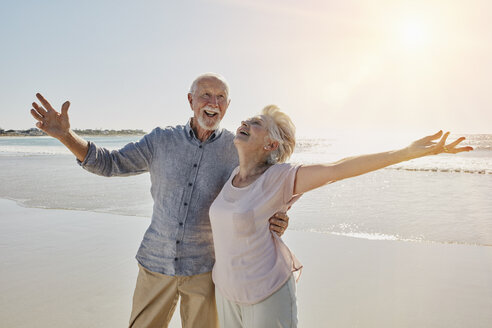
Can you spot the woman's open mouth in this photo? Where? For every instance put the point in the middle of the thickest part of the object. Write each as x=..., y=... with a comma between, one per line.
x=243, y=132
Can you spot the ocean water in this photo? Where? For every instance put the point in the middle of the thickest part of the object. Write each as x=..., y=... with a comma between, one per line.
x=443, y=199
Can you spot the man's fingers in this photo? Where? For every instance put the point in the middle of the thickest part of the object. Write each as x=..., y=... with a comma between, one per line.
x=279, y=223
x=45, y=102
x=64, y=109
x=39, y=109
x=281, y=216
x=278, y=230
x=36, y=115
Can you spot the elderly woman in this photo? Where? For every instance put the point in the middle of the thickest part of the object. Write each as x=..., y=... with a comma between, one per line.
x=253, y=272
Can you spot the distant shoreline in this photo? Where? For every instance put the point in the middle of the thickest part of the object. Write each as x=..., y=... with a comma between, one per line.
x=85, y=132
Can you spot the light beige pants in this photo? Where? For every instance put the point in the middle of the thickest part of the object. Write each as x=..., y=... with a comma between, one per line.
x=156, y=296
x=279, y=310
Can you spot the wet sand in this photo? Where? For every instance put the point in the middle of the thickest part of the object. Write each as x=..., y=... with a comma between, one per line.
x=63, y=268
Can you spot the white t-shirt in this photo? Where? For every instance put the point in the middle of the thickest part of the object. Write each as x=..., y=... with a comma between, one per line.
x=251, y=262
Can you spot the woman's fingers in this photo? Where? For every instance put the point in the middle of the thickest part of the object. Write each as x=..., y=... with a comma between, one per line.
x=451, y=148
x=432, y=147
x=427, y=141
x=45, y=102
x=455, y=143
x=434, y=136
x=442, y=142
x=440, y=146
x=459, y=150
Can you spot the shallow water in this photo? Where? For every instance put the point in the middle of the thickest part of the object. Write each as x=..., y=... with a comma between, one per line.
x=443, y=198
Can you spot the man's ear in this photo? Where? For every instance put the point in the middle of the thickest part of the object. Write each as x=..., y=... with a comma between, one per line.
x=190, y=100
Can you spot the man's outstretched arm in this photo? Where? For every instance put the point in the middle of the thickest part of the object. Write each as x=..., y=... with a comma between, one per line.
x=57, y=125
x=134, y=158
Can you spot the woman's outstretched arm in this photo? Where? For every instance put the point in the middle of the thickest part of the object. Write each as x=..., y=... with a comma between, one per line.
x=310, y=177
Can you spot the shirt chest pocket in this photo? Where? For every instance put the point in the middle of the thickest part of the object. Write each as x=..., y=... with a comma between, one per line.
x=244, y=224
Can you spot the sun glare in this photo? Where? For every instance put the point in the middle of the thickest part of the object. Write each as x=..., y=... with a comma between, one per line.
x=414, y=34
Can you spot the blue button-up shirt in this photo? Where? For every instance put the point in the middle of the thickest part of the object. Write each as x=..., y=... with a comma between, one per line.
x=186, y=175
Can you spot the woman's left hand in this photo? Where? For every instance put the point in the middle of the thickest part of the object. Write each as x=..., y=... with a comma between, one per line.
x=426, y=146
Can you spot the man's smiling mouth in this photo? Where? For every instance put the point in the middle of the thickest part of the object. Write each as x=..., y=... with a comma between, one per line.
x=210, y=113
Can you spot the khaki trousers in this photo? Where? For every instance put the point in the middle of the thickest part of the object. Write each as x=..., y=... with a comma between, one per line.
x=156, y=296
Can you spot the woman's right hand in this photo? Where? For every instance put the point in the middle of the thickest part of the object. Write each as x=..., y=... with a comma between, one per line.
x=54, y=123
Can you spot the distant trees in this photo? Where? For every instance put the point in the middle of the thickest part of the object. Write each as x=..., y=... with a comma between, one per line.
x=106, y=132
x=30, y=132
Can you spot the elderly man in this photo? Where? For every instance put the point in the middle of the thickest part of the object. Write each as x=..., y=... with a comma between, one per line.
x=188, y=166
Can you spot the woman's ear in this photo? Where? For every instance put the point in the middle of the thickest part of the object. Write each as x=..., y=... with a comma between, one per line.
x=271, y=146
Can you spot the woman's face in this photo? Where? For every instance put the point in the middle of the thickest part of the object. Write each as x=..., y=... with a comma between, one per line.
x=253, y=134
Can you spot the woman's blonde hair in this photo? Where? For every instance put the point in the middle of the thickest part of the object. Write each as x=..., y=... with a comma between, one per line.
x=282, y=130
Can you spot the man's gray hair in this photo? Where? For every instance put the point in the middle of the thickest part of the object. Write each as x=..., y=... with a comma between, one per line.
x=209, y=75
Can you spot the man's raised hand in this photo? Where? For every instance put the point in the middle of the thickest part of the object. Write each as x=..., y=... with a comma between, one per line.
x=54, y=123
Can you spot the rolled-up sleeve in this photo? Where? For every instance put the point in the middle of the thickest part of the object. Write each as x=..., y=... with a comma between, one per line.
x=132, y=159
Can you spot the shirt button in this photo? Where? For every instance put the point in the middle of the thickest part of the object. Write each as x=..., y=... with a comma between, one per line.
x=200, y=146
x=190, y=184
x=194, y=165
x=181, y=223
x=177, y=241
x=185, y=204
x=175, y=258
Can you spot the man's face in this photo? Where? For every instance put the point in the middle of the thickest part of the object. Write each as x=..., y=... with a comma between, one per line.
x=209, y=102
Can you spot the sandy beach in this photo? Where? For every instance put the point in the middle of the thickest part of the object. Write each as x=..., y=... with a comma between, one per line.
x=65, y=268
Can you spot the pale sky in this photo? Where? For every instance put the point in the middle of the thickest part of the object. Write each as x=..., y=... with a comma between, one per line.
x=333, y=66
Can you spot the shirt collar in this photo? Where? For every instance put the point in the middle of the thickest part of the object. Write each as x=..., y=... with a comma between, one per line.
x=191, y=133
